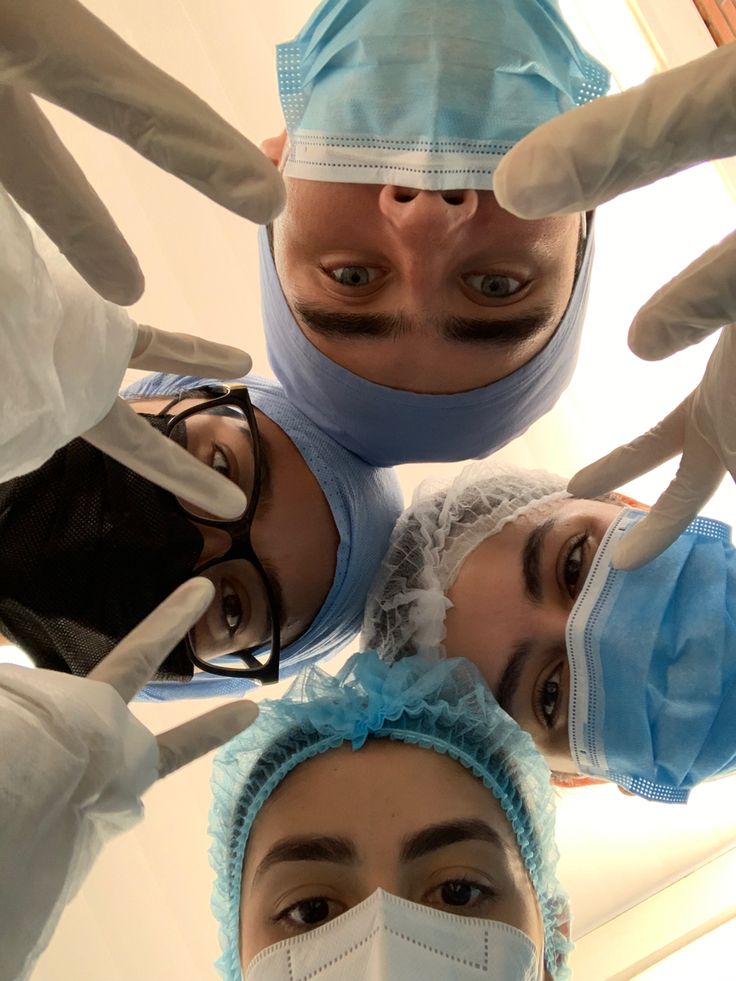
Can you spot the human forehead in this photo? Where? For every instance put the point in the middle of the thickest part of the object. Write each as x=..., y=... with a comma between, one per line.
x=376, y=796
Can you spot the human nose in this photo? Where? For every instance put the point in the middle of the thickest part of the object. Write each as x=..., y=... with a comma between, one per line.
x=435, y=213
x=217, y=543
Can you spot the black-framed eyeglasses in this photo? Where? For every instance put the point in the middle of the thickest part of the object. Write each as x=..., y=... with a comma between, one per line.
x=239, y=635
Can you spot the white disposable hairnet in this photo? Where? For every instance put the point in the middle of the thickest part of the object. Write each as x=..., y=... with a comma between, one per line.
x=446, y=521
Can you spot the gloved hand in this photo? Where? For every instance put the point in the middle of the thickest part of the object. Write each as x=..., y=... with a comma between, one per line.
x=587, y=157
x=64, y=353
x=74, y=765
x=132, y=664
x=64, y=350
x=57, y=49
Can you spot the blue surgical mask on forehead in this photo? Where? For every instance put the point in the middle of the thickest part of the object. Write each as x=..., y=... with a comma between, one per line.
x=653, y=664
x=426, y=93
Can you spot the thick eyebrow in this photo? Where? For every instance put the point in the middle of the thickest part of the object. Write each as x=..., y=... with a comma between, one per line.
x=465, y=330
x=511, y=676
x=531, y=560
x=437, y=836
x=337, y=323
x=308, y=848
x=479, y=330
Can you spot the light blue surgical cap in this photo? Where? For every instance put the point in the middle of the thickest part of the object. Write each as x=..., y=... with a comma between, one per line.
x=386, y=426
x=445, y=706
x=365, y=502
x=426, y=93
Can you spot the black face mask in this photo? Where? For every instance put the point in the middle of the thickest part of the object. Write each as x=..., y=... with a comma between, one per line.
x=87, y=550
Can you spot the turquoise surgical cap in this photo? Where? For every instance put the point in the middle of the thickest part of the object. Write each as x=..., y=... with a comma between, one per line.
x=445, y=706
x=365, y=502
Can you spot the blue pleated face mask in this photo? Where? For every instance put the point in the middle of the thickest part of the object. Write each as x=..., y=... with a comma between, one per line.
x=426, y=93
x=653, y=664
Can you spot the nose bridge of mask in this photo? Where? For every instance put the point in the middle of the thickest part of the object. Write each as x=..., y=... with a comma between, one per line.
x=644, y=647
x=425, y=93
x=387, y=938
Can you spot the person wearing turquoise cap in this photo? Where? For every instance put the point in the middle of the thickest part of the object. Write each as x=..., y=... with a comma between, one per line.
x=386, y=823
x=406, y=312
x=90, y=547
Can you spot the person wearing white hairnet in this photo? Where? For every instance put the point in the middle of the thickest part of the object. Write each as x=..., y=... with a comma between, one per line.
x=672, y=121
x=628, y=676
x=74, y=765
x=64, y=352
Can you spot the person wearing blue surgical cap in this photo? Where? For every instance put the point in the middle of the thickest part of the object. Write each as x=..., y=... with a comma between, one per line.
x=90, y=547
x=406, y=313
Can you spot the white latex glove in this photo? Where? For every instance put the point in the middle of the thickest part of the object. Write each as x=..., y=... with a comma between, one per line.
x=590, y=155
x=74, y=765
x=64, y=353
x=57, y=49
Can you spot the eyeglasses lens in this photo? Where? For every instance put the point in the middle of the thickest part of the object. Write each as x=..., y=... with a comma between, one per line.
x=240, y=616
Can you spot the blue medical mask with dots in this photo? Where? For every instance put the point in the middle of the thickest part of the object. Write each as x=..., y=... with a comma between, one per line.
x=653, y=664
x=426, y=93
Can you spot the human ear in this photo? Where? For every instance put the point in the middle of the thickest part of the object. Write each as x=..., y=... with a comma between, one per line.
x=573, y=780
x=274, y=147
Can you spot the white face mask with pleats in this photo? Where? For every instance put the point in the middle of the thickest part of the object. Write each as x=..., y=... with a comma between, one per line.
x=386, y=938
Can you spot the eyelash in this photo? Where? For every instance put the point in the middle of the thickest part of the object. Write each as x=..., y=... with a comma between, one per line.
x=283, y=917
x=573, y=547
x=540, y=697
x=486, y=894
x=488, y=276
x=485, y=891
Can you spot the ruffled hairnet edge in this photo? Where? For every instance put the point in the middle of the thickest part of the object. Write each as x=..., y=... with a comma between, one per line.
x=423, y=604
x=344, y=709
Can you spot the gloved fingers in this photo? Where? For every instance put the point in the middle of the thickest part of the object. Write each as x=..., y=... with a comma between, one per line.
x=585, y=157
x=45, y=180
x=133, y=662
x=714, y=404
x=130, y=440
x=697, y=479
x=189, y=741
x=691, y=306
x=61, y=51
x=633, y=459
x=185, y=354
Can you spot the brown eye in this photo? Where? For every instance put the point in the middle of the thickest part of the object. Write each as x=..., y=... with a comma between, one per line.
x=458, y=893
x=220, y=462
x=573, y=568
x=232, y=608
x=310, y=912
x=550, y=697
